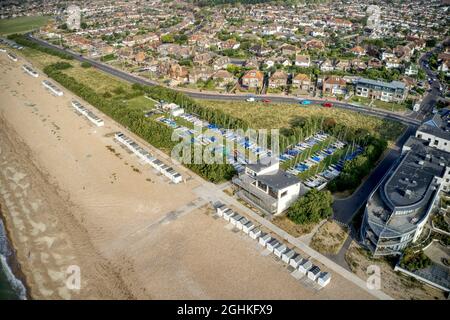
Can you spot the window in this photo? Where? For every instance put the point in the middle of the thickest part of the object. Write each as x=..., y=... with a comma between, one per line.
x=284, y=193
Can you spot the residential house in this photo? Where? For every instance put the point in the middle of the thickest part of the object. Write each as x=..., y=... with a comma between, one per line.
x=359, y=51
x=374, y=63
x=302, y=61
x=358, y=65
x=253, y=79
x=223, y=77
x=259, y=50
x=334, y=85
x=200, y=73
x=203, y=58
x=411, y=69
x=302, y=82
x=178, y=73
x=278, y=79
x=342, y=65
x=221, y=62
x=315, y=44
x=289, y=50
x=327, y=66
x=392, y=63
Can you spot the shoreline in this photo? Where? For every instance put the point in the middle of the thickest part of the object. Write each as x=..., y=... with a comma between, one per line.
x=12, y=260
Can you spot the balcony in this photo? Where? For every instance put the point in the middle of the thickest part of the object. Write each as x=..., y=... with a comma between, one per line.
x=255, y=195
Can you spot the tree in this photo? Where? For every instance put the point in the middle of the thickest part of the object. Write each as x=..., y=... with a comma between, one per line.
x=167, y=38
x=314, y=206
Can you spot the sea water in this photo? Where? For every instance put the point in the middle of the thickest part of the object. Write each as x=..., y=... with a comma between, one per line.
x=10, y=286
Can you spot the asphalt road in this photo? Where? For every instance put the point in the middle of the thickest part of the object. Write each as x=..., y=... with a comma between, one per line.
x=432, y=97
x=409, y=120
x=345, y=209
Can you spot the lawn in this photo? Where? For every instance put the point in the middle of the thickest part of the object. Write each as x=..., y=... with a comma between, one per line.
x=22, y=24
x=277, y=116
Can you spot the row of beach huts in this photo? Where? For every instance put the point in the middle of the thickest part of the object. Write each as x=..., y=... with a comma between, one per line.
x=52, y=88
x=145, y=156
x=304, y=266
x=87, y=113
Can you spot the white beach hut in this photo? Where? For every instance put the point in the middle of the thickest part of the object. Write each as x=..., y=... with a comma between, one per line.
x=264, y=239
x=324, y=279
x=248, y=227
x=314, y=273
x=227, y=214
x=305, y=266
x=296, y=260
x=279, y=250
x=287, y=255
x=254, y=233
x=271, y=245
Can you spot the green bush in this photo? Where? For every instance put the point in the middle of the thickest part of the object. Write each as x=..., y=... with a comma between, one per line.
x=86, y=64
x=314, y=206
x=414, y=260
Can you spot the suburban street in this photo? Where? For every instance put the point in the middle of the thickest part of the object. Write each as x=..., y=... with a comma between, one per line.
x=409, y=120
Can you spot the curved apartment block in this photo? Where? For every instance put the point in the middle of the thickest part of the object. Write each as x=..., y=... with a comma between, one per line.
x=400, y=205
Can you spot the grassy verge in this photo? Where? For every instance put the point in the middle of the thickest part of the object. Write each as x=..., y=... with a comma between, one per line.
x=329, y=238
x=390, y=106
x=278, y=115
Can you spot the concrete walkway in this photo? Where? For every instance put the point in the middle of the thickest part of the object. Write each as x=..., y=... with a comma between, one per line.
x=210, y=192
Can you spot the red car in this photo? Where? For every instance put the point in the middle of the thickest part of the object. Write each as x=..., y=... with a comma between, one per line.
x=265, y=100
x=327, y=105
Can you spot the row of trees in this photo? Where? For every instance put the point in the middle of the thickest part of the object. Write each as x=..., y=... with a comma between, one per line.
x=156, y=133
x=22, y=40
x=355, y=170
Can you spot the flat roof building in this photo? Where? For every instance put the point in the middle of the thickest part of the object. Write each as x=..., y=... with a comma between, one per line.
x=385, y=91
x=400, y=205
x=267, y=187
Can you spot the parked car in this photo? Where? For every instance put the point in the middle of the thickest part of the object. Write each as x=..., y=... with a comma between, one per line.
x=250, y=99
x=327, y=104
x=305, y=102
x=265, y=100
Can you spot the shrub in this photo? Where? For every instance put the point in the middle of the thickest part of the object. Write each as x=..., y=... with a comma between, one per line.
x=414, y=260
x=86, y=64
x=314, y=206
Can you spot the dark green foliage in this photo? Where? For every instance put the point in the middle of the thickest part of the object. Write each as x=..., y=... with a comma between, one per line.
x=314, y=206
x=86, y=64
x=355, y=170
x=414, y=260
x=22, y=40
x=108, y=57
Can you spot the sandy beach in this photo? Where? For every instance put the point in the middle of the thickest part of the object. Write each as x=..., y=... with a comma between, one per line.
x=71, y=196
